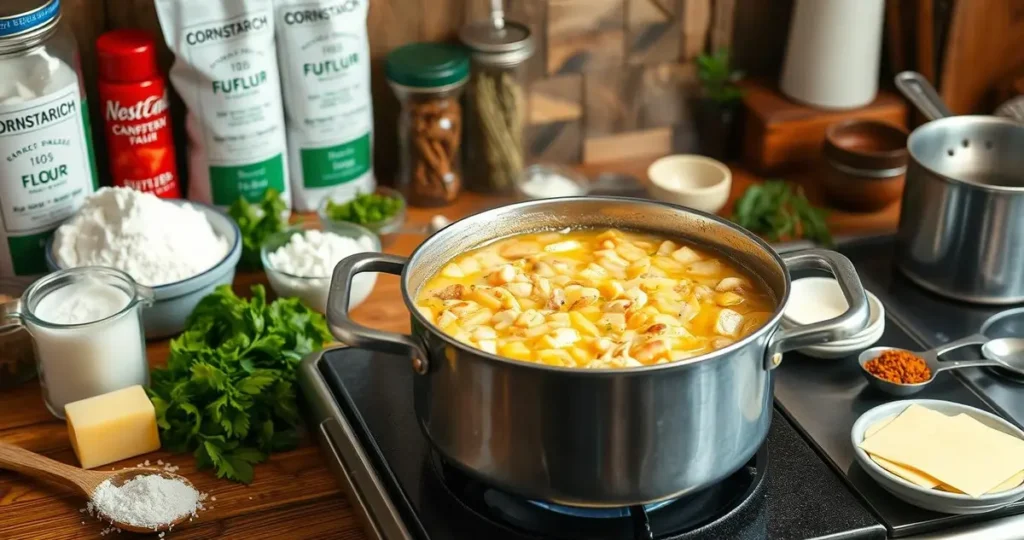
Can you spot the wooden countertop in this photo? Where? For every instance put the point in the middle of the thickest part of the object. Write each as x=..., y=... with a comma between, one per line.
x=293, y=495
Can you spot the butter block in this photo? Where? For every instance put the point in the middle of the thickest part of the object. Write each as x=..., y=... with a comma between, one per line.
x=111, y=427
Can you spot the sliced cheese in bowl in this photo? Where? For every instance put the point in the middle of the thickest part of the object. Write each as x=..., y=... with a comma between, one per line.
x=959, y=451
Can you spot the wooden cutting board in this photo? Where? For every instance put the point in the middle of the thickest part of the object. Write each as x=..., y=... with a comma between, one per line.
x=985, y=45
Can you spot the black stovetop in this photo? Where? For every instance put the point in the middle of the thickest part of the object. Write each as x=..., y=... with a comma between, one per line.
x=800, y=498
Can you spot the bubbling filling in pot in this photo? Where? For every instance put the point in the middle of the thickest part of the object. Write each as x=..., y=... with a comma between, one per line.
x=594, y=299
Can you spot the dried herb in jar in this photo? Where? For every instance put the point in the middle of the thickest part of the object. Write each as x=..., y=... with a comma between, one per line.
x=436, y=132
x=499, y=104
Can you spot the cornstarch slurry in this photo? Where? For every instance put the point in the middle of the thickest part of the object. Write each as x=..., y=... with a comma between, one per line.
x=148, y=501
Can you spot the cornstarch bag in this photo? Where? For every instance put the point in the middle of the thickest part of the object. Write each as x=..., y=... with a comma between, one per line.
x=226, y=72
x=324, y=54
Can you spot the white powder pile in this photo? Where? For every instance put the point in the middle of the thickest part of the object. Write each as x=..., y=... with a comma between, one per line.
x=315, y=254
x=148, y=501
x=154, y=241
x=543, y=186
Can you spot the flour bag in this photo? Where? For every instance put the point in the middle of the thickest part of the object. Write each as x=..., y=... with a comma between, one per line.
x=324, y=54
x=225, y=70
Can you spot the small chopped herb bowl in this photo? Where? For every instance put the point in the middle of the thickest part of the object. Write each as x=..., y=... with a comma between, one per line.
x=383, y=212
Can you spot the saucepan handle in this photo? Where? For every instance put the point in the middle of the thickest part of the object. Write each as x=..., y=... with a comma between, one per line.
x=356, y=335
x=846, y=325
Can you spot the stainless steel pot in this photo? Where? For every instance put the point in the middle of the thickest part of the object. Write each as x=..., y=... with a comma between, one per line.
x=595, y=437
x=961, y=229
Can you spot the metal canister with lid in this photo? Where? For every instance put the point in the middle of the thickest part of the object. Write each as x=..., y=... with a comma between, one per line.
x=496, y=101
x=48, y=166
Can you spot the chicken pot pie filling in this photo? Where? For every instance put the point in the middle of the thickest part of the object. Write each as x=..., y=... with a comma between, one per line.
x=594, y=299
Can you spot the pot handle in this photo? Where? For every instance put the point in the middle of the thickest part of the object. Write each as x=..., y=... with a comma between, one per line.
x=849, y=323
x=356, y=335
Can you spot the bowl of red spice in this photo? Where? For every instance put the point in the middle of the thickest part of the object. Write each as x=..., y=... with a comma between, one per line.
x=895, y=371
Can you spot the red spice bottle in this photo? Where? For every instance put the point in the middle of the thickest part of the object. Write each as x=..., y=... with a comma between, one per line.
x=133, y=97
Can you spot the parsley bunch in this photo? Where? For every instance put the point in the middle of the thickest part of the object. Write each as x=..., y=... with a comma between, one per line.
x=365, y=209
x=777, y=210
x=257, y=221
x=228, y=391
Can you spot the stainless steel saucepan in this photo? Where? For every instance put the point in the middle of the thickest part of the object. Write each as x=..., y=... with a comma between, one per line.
x=961, y=229
x=602, y=437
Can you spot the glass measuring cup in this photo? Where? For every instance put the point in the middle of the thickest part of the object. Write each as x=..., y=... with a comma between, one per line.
x=84, y=359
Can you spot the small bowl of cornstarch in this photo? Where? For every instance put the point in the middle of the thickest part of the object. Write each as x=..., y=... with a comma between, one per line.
x=182, y=250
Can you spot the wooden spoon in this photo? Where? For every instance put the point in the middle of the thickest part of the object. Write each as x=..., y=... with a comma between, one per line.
x=85, y=482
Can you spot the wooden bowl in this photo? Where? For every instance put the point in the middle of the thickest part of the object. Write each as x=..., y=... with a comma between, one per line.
x=866, y=164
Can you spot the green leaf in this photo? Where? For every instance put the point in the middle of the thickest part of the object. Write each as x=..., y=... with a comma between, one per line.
x=254, y=384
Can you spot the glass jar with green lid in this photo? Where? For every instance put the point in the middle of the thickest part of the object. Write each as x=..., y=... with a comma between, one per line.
x=427, y=79
x=496, y=101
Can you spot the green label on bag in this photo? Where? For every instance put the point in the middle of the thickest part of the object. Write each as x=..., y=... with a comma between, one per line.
x=250, y=181
x=28, y=253
x=333, y=165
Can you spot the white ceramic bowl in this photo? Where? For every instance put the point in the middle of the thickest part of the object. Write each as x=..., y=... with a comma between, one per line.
x=693, y=181
x=815, y=299
x=314, y=290
x=932, y=499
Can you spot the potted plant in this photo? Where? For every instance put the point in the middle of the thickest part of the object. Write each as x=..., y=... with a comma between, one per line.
x=718, y=108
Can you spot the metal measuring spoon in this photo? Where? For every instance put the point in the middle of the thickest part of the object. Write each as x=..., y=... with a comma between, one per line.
x=1007, y=353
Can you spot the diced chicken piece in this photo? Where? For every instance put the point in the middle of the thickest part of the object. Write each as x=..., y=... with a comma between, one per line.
x=667, y=264
x=637, y=320
x=615, y=322
x=630, y=252
x=504, y=274
x=730, y=284
x=703, y=293
x=603, y=345
x=529, y=303
x=561, y=338
x=537, y=331
x=654, y=283
x=489, y=259
x=446, y=318
x=451, y=292
x=638, y=297
x=488, y=345
x=557, y=299
x=613, y=267
x=582, y=324
x=521, y=290
x=729, y=298
x=484, y=297
x=704, y=268
x=453, y=271
x=555, y=357
x=469, y=266
x=667, y=247
x=690, y=310
x=611, y=234
x=559, y=320
x=529, y=319
x=507, y=300
x=503, y=319
x=577, y=298
x=563, y=247
x=476, y=318
x=426, y=312
x=686, y=255
x=728, y=323
x=484, y=332
x=518, y=249
x=561, y=281
x=594, y=272
x=541, y=286
x=667, y=306
x=617, y=306
x=561, y=267
x=543, y=269
x=464, y=307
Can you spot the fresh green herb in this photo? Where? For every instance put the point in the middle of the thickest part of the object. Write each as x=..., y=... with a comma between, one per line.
x=718, y=78
x=257, y=221
x=365, y=209
x=778, y=210
x=228, y=391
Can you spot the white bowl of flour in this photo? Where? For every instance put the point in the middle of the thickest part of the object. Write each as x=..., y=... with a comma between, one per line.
x=182, y=250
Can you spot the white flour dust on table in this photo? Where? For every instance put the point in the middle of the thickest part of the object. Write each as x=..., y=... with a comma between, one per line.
x=148, y=501
x=154, y=241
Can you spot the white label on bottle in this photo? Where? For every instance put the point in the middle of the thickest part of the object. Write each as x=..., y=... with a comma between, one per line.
x=46, y=173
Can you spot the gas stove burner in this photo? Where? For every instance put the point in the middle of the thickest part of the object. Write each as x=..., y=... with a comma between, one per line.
x=598, y=513
x=735, y=502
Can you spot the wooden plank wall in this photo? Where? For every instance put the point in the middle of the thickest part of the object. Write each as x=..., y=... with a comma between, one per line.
x=611, y=78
